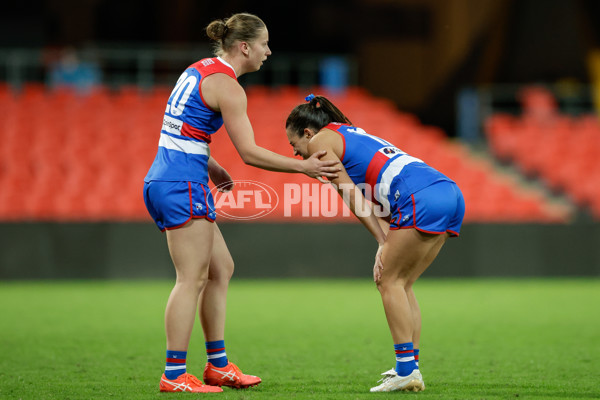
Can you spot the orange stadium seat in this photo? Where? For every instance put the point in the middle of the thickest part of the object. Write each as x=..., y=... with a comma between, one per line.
x=87, y=154
x=562, y=151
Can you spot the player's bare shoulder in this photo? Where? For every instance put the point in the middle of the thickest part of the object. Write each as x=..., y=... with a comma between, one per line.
x=327, y=139
x=219, y=89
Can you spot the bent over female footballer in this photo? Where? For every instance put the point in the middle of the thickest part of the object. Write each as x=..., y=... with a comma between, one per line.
x=419, y=208
x=206, y=96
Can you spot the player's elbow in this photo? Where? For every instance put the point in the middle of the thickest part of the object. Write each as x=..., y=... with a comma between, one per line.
x=248, y=156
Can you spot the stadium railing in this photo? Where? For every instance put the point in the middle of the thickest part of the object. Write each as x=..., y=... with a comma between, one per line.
x=151, y=66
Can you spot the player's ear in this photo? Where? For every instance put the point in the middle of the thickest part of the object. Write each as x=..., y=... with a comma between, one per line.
x=245, y=48
x=308, y=133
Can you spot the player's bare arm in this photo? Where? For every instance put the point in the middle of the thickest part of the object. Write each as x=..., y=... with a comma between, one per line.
x=219, y=176
x=230, y=98
x=331, y=142
x=353, y=197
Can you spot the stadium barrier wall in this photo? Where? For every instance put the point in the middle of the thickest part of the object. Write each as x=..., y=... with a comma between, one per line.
x=139, y=250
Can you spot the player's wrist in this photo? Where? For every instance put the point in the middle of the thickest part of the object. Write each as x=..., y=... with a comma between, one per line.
x=303, y=167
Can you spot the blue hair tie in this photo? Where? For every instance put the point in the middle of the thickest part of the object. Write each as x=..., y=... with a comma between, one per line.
x=309, y=97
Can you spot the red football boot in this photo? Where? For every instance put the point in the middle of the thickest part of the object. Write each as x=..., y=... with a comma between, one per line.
x=230, y=375
x=186, y=383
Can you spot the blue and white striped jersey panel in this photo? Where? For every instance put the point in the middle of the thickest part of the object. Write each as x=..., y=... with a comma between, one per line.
x=188, y=122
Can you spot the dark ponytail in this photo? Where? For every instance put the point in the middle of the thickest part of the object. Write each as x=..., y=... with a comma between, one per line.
x=316, y=114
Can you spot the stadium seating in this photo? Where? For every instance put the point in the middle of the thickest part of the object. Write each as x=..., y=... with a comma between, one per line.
x=72, y=157
x=560, y=150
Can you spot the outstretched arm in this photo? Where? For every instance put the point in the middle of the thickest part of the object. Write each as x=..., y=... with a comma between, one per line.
x=232, y=103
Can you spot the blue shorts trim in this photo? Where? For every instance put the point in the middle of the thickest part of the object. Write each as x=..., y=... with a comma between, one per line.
x=173, y=204
x=436, y=209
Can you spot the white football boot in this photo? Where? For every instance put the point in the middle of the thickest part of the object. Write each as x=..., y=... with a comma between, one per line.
x=391, y=382
x=420, y=379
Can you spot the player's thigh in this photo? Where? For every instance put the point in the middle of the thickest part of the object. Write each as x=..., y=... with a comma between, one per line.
x=436, y=245
x=405, y=251
x=221, y=262
x=190, y=247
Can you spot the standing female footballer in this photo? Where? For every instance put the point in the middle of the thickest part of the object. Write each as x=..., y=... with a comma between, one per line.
x=206, y=96
x=422, y=209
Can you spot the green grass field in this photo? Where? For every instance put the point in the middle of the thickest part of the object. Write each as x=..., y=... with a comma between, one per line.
x=307, y=339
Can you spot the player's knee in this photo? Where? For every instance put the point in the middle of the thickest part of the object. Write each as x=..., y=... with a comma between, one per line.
x=391, y=283
x=193, y=282
x=227, y=271
x=223, y=272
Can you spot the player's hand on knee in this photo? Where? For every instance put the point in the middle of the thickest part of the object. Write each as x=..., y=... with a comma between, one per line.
x=378, y=267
